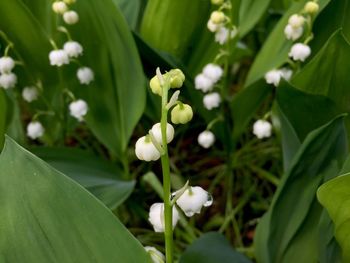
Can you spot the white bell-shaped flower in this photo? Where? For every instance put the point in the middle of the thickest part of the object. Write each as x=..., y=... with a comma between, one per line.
x=206, y=139
x=262, y=129
x=157, y=132
x=35, y=130
x=286, y=73
x=145, y=150
x=6, y=65
x=59, y=7
x=193, y=199
x=212, y=100
x=78, y=109
x=155, y=254
x=300, y=51
x=273, y=77
x=85, y=75
x=296, y=20
x=70, y=17
x=30, y=94
x=203, y=83
x=293, y=33
x=58, y=58
x=213, y=71
x=73, y=49
x=223, y=34
x=8, y=80
x=156, y=217
x=212, y=26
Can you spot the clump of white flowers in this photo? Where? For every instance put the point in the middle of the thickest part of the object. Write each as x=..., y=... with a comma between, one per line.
x=78, y=109
x=262, y=129
x=274, y=76
x=156, y=255
x=209, y=76
x=206, y=139
x=8, y=79
x=35, y=130
x=29, y=94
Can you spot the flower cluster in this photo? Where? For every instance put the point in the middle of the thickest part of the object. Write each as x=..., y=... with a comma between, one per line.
x=70, y=17
x=220, y=24
x=8, y=79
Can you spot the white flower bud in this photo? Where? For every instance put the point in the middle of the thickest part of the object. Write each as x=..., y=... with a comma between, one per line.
x=273, y=77
x=59, y=7
x=213, y=71
x=296, y=21
x=181, y=114
x=217, y=17
x=85, y=75
x=156, y=256
x=262, y=129
x=156, y=217
x=212, y=27
x=8, y=81
x=157, y=132
x=286, y=73
x=145, y=150
x=203, y=83
x=193, y=199
x=311, y=7
x=206, y=139
x=222, y=35
x=73, y=49
x=78, y=109
x=300, y=52
x=58, y=58
x=35, y=130
x=293, y=33
x=6, y=65
x=30, y=94
x=211, y=100
x=71, y=17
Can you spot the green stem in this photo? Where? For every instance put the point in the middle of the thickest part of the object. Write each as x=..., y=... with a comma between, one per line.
x=168, y=210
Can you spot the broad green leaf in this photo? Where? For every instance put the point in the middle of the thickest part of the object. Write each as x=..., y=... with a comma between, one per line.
x=250, y=13
x=291, y=222
x=327, y=73
x=3, y=114
x=246, y=103
x=315, y=110
x=46, y=217
x=334, y=196
x=274, y=52
x=100, y=177
x=131, y=10
x=163, y=30
x=212, y=248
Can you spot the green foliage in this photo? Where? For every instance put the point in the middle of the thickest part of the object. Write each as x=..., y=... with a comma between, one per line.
x=334, y=196
x=290, y=229
x=46, y=217
x=212, y=248
x=100, y=177
x=2, y=117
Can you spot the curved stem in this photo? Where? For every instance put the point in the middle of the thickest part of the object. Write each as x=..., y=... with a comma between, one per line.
x=168, y=211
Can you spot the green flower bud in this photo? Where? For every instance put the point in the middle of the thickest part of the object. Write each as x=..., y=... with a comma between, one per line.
x=181, y=113
x=217, y=2
x=311, y=7
x=155, y=86
x=177, y=78
x=217, y=17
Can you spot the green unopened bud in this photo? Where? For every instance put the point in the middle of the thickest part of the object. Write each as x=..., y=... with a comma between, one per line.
x=155, y=86
x=69, y=2
x=217, y=17
x=311, y=7
x=181, y=113
x=217, y=2
x=177, y=78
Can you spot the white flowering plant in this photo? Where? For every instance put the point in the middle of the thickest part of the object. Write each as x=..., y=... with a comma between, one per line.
x=174, y=131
